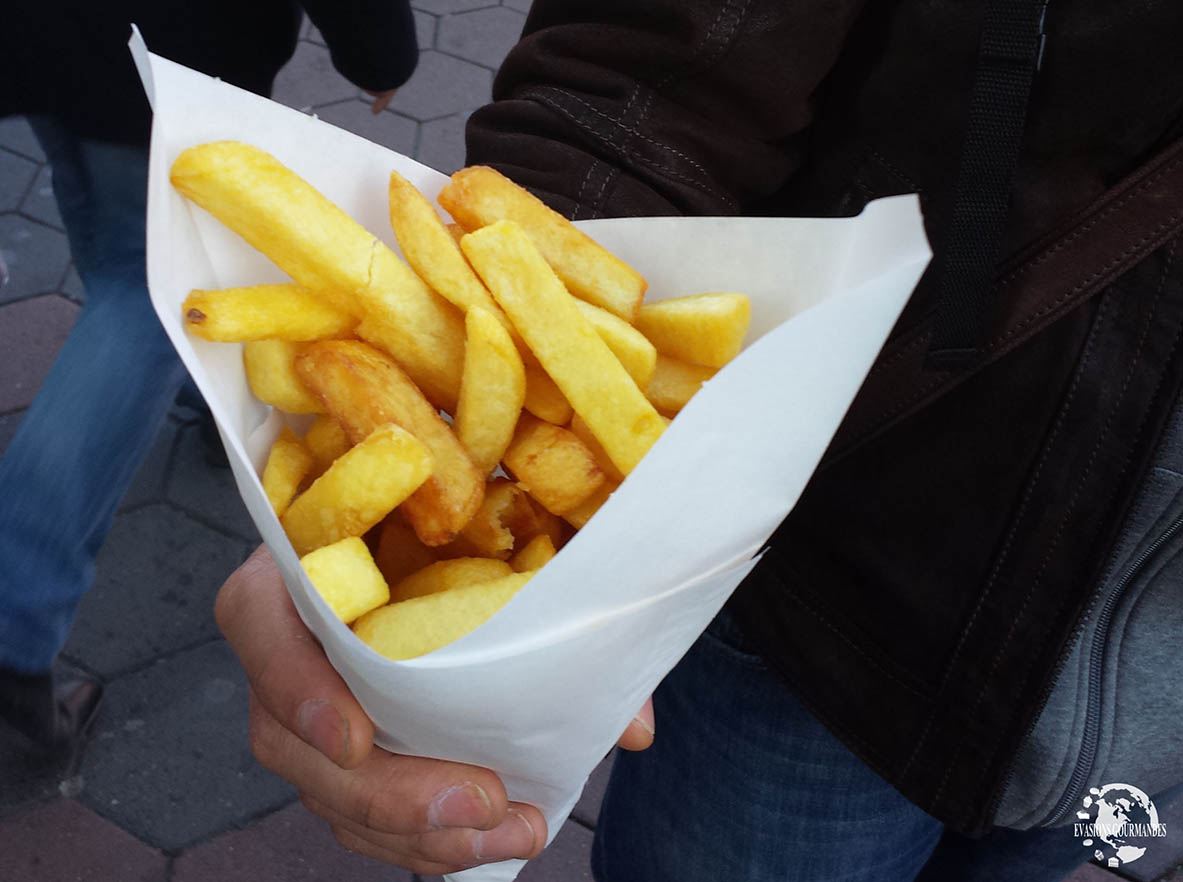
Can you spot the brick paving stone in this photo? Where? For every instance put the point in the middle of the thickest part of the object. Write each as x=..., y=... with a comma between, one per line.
x=31, y=333
x=587, y=810
x=17, y=135
x=156, y=579
x=447, y=7
x=310, y=79
x=388, y=129
x=483, y=36
x=16, y=176
x=148, y=486
x=441, y=143
x=37, y=257
x=519, y=5
x=287, y=846
x=441, y=86
x=425, y=27
x=72, y=286
x=208, y=493
x=27, y=777
x=62, y=841
x=39, y=202
x=169, y=761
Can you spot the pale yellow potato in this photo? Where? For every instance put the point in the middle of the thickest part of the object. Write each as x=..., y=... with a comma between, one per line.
x=582, y=513
x=676, y=382
x=636, y=354
x=358, y=490
x=346, y=577
x=363, y=388
x=399, y=551
x=420, y=625
x=492, y=390
x=491, y=532
x=288, y=464
x=270, y=367
x=327, y=252
x=445, y=575
x=263, y=312
x=544, y=399
x=552, y=465
x=579, y=428
x=534, y=555
x=706, y=329
x=568, y=347
x=478, y=196
x=456, y=231
x=326, y=440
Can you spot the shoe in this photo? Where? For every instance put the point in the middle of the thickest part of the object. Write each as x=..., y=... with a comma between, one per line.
x=54, y=713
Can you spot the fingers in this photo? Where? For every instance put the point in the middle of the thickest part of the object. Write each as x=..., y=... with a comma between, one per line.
x=288, y=671
x=640, y=732
x=381, y=100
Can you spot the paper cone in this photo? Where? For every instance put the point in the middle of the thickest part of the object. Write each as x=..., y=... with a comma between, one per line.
x=541, y=692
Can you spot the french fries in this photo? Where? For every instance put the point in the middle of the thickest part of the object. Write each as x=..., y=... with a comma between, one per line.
x=531, y=336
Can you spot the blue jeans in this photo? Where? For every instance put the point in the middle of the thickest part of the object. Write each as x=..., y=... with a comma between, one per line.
x=95, y=417
x=742, y=784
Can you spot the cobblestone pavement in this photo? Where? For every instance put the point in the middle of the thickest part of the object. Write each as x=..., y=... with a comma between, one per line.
x=167, y=791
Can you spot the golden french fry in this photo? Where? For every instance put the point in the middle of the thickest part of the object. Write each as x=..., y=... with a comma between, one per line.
x=636, y=354
x=552, y=465
x=346, y=577
x=573, y=354
x=362, y=388
x=544, y=399
x=492, y=390
x=491, y=532
x=358, y=490
x=579, y=428
x=287, y=465
x=263, y=312
x=271, y=374
x=578, y=516
x=674, y=383
x=478, y=196
x=445, y=575
x=327, y=252
x=456, y=231
x=326, y=441
x=536, y=553
x=417, y=626
x=399, y=551
x=706, y=329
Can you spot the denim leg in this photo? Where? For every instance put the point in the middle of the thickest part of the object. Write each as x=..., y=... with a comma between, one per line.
x=742, y=784
x=96, y=415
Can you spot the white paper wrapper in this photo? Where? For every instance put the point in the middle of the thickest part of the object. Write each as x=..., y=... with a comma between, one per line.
x=541, y=692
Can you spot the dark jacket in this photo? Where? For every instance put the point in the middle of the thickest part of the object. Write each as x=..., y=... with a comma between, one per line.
x=70, y=58
x=921, y=594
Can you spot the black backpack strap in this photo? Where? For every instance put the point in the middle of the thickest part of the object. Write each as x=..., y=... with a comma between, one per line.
x=1010, y=53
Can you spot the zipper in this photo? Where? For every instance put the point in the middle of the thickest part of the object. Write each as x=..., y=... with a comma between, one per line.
x=1097, y=652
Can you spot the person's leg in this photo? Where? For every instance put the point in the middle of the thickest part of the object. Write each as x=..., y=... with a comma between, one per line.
x=96, y=415
x=743, y=783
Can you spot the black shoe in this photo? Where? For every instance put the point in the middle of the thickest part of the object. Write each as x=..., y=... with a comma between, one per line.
x=54, y=713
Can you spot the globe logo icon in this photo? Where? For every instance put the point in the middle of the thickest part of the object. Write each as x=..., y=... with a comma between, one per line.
x=1117, y=822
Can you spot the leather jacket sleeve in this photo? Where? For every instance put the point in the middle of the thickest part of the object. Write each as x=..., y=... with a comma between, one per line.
x=634, y=107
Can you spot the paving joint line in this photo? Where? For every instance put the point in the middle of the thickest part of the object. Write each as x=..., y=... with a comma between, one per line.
x=236, y=826
x=208, y=523
x=165, y=656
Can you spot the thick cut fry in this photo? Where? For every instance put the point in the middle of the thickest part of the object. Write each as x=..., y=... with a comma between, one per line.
x=536, y=553
x=491, y=533
x=358, y=490
x=263, y=312
x=705, y=329
x=674, y=383
x=582, y=513
x=456, y=231
x=479, y=196
x=416, y=627
x=492, y=390
x=287, y=465
x=581, y=431
x=544, y=399
x=636, y=354
x=400, y=552
x=345, y=576
x=590, y=376
x=271, y=374
x=552, y=465
x=445, y=575
x=326, y=440
x=363, y=389
x=326, y=251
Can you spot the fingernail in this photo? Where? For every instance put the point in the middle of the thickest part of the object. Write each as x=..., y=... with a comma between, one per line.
x=322, y=726
x=645, y=724
x=514, y=837
x=464, y=805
